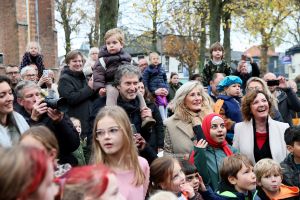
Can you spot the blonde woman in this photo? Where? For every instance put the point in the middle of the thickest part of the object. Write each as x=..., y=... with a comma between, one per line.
x=113, y=145
x=183, y=129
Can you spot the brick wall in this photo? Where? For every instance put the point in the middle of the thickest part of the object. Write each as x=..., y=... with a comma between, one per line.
x=16, y=28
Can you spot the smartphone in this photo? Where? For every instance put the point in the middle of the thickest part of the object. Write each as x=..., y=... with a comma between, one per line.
x=45, y=72
x=273, y=82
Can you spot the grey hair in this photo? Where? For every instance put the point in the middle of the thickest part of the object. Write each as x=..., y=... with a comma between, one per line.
x=126, y=69
x=25, y=84
x=25, y=69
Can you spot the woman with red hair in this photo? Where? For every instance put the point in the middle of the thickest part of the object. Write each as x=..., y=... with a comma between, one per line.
x=26, y=173
x=209, y=153
x=91, y=182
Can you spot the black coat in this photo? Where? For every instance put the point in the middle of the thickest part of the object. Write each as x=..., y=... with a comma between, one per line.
x=73, y=86
x=65, y=133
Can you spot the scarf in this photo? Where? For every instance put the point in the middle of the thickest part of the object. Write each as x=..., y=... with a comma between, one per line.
x=206, y=124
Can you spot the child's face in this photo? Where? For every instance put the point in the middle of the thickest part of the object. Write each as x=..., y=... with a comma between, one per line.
x=295, y=150
x=77, y=125
x=113, y=45
x=109, y=135
x=193, y=180
x=154, y=60
x=218, y=130
x=245, y=180
x=233, y=90
x=271, y=182
x=33, y=50
x=177, y=179
x=217, y=54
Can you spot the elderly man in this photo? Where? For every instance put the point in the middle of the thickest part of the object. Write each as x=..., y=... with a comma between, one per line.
x=36, y=112
x=28, y=73
x=288, y=101
x=127, y=79
x=143, y=64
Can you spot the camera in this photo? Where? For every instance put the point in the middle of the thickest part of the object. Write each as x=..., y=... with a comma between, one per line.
x=60, y=104
x=273, y=82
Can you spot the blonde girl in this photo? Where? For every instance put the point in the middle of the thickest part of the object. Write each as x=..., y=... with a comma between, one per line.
x=33, y=56
x=113, y=145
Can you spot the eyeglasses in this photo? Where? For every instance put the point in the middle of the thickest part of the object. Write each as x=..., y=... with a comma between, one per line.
x=30, y=75
x=111, y=131
x=12, y=73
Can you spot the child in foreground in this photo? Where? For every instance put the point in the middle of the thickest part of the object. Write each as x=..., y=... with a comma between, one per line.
x=237, y=180
x=291, y=164
x=269, y=180
x=166, y=174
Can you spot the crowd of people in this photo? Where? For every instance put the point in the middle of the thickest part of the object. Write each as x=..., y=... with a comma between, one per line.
x=111, y=130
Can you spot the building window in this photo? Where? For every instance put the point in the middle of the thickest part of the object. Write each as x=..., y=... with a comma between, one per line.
x=180, y=67
x=167, y=63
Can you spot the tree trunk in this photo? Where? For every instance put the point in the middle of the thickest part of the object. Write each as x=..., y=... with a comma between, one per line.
x=108, y=17
x=226, y=39
x=202, y=45
x=154, y=31
x=190, y=68
x=264, y=58
x=215, y=13
x=95, y=42
x=67, y=37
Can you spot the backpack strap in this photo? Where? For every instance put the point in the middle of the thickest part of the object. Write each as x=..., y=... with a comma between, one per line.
x=218, y=105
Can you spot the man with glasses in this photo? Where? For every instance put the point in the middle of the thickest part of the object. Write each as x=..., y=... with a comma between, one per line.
x=28, y=73
x=288, y=101
x=13, y=73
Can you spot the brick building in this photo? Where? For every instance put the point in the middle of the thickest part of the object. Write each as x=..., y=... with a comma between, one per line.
x=23, y=21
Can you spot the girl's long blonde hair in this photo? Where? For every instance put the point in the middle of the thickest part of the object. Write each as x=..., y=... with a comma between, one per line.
x=181, y=111
x=129, y=157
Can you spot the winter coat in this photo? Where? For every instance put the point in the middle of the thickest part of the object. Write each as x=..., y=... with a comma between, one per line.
x=156, y=139
x=286, y=193
x=73, y=87
x=106, y=67
x=288, y=103
x=178, y=137
x=290, y=172
x=210, y=68
x=155, y=77
x=64, y=131
x=79, y=154
x=227, y=192
x=172, y=90
x=208, y=162
x=232, y=108
x=243, y=139
x=37, y=60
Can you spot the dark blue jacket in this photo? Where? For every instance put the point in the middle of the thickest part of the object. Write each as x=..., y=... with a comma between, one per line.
x=232, y=108
x=155, y=77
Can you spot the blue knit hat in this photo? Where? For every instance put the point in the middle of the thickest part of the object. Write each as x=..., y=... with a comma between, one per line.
x=228, y=81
